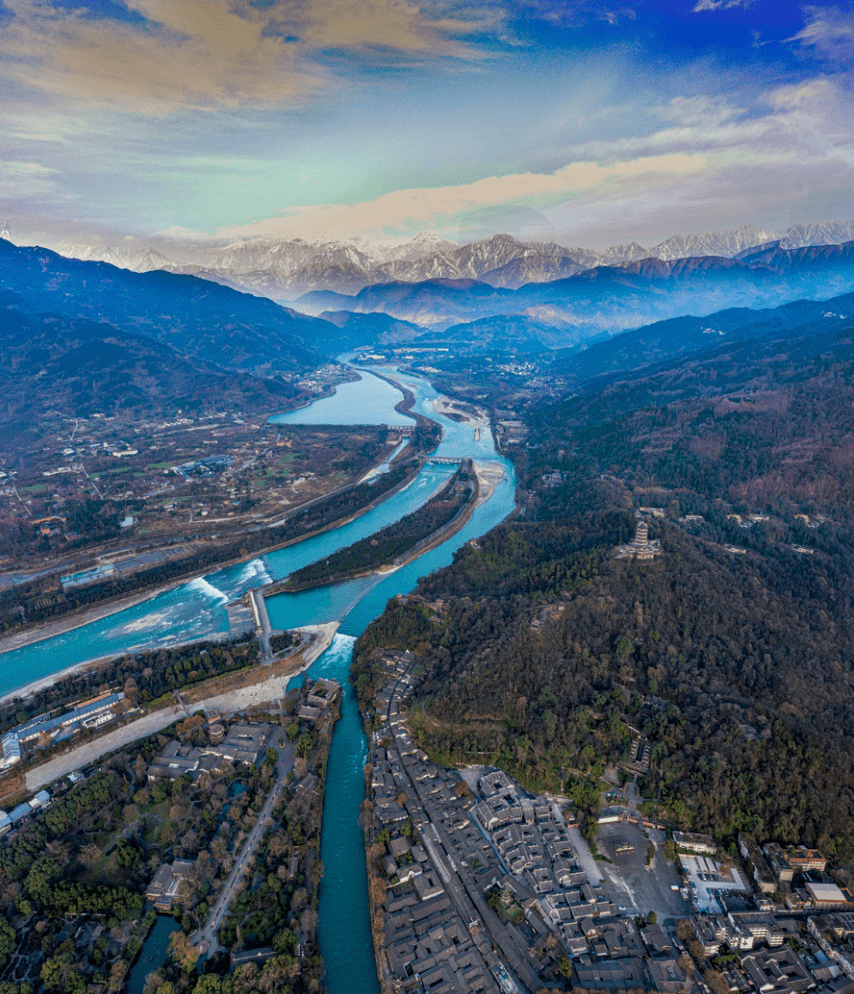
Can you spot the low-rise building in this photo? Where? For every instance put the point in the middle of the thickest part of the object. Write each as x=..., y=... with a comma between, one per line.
x=759, y=868
x=695, y=842
x=803, y=860
x=243, y=743
x=780, y=866
x=779, y=971
x=825, y=896
x=835, y=935
x=46, y=729
x=165, y=889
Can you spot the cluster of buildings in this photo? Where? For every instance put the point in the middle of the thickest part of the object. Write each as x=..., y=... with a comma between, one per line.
x=485, y=888
x=787, y=946
x=45, y=729
x=428, y=936
x=243, y=743
x=834, y=934
x=9, y=819
x=774, y=954
x=738, y=931
x=168, y=883
x=510, y=431
x=488, y=887
x=42, y=800
x=795, y=874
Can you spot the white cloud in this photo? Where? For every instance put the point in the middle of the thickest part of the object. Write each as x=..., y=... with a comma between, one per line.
x=405, y=210
x=24, y=179
x=830, y=31
x=813, y=119
x=711, y=5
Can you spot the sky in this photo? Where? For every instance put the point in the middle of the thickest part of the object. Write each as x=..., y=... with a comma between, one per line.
x=581, y=121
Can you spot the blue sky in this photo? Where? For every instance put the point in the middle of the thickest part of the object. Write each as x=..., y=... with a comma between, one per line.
x=583, y=121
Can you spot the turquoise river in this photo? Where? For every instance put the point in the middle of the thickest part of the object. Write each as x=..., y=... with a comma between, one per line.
x=197, y=609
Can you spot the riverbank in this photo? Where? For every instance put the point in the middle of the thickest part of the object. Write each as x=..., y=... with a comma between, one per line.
x=476, y=417
x=82, y=616
x=443, y=534
x=407, y=405
x=389, y=545
x=487, y=476
x=110, y=606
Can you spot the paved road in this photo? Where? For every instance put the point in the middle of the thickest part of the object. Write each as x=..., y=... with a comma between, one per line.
x=243, y=698
x=226, y=896
x=585, y=857
x=264, y=630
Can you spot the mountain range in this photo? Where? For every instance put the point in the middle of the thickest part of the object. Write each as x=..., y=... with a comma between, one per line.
x=284, y=269
x=78, y=367
x=210, y=323
x=199, y=319
x=642, y=352
x=605, y=300
x=84, y=337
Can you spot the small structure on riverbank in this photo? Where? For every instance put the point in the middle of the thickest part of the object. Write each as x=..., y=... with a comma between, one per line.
x=164, y=890
x=319, y=698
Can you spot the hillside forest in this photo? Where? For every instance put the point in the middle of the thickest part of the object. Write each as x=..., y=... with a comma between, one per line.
x=729, y=653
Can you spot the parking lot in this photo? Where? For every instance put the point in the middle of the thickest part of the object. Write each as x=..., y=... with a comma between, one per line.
x=709, y=880
x=635, y=886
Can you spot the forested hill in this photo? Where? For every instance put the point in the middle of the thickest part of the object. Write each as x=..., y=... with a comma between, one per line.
x=733, y=651
x=202, y=320
x=390, y=544
x=80, y=367
x=633, y=350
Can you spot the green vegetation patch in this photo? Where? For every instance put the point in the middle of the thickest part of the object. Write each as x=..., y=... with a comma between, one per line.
x=386, y=545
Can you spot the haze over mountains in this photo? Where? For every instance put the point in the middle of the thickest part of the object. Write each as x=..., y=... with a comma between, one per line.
x=80, y=337
x=201, y=320
x=78, y=367
x=285, y=269
x=218, y=328
x=604, y=300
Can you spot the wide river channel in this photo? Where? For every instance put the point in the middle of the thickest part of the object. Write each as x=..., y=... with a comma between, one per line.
x=197, y=609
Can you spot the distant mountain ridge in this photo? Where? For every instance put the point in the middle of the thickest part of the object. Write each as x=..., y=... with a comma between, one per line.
x=284, y=269
x=207, y=322
x=605, y=300
x=634, y=353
